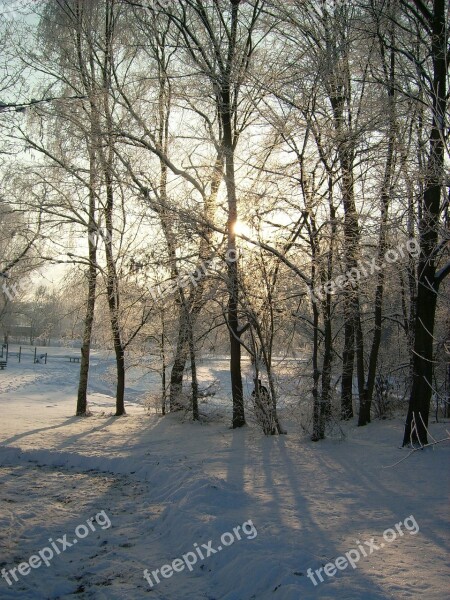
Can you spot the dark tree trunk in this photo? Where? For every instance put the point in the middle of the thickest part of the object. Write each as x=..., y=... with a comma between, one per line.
x=86, y=346
x=194, y=380
x=233, y=275
x=428, y=284
x=112, y=290
x=90, y=304
x=318, y=413
x=235, y=348
x=120, y=389
x=163, y=368
x=327, y=317
x=348, y=357
x=179, y=364
x=327, y=361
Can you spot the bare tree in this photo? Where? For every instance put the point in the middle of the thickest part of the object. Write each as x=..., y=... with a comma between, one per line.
x=434, y=22
x=223, y=55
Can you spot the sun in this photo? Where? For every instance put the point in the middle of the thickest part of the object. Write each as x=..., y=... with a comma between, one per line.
x=241, y=228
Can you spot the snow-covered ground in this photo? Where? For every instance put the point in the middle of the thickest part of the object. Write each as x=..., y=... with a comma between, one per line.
x=160, y=485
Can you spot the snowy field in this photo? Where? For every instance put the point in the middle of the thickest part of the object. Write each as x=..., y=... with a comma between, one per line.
x=163, y=488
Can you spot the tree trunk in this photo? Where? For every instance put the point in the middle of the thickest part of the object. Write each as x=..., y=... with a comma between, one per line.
x=194, y=380
x=163, y=368
x=318, y=413
x=428, y=285
x=107, y=155
x=235, y=349
x=120, y=389
x=179, y=363
x=90, y=305
x=353, y=335
x=348, y=357
x=233, y=275
x=327, y=361
x=112, y=290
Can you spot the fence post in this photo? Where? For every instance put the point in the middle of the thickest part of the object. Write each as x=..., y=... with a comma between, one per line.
x=35, y=350
x=20, y=352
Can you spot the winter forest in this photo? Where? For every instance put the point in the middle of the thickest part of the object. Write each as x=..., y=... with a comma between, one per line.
x=224, y=314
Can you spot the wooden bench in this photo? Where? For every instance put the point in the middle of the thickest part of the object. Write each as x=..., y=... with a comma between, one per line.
x=3, y=364
x=74, y=359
